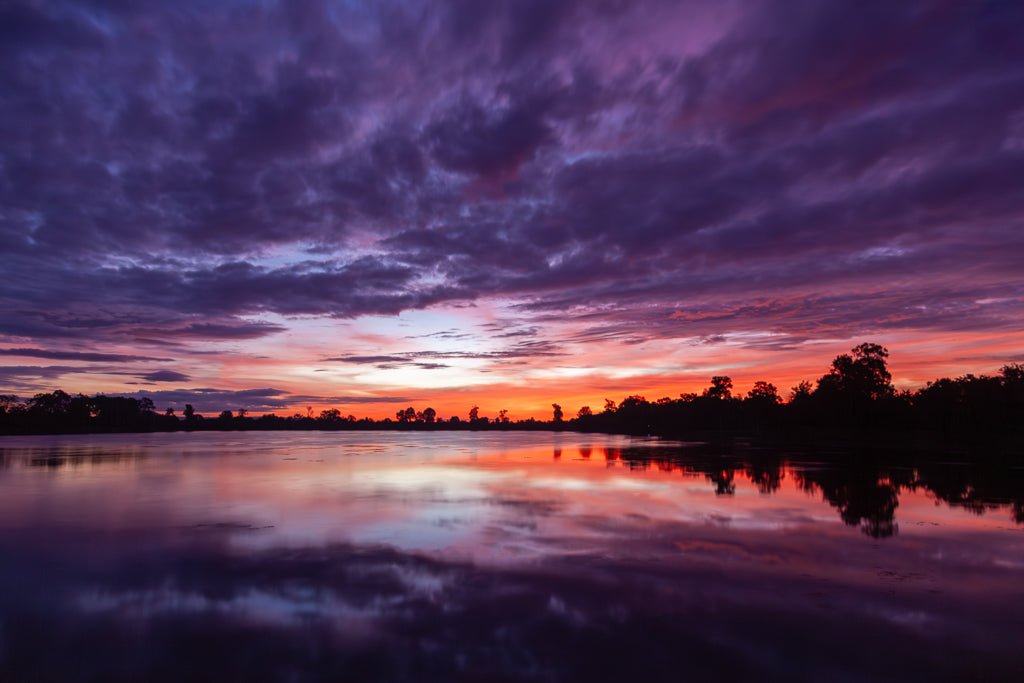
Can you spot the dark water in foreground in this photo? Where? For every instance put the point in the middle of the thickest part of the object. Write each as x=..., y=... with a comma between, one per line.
x=497, y=557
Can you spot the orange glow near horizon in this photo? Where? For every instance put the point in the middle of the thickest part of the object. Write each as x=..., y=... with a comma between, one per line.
x=612, y=207
x=581, y=374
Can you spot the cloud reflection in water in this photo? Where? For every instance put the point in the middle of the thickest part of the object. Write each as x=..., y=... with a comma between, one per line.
x=476, y=557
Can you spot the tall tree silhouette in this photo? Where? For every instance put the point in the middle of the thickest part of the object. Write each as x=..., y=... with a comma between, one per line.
x=862, y=373
x=764, y=392
x=721, y=387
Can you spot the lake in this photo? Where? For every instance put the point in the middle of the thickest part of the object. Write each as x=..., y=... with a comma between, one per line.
x=513, y=556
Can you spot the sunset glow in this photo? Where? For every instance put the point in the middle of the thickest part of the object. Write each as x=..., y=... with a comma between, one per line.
x=279, y=205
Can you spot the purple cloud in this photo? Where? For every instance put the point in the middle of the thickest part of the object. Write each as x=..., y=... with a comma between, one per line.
x=165, y=376
x=212, y=400
x=77, y=355
x=183, y=172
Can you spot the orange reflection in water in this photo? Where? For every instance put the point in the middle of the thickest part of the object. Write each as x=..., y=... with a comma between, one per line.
x=487, y=546
x=477, y=495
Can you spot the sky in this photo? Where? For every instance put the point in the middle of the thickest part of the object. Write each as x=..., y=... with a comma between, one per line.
x=369, y=205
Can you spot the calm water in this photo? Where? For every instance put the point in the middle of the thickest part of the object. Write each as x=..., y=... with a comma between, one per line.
x=494, y=557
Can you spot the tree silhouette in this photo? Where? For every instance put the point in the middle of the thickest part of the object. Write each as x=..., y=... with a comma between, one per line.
x=1014, y=372
x=330, y=415
x=9, y=403
x=556, y=412
x=54, y=403
x=764, y=392
x=801, y=392
x=721, y=387
x=862, y=373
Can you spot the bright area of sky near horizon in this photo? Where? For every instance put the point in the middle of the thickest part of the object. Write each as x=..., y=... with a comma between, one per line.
x=273, y=205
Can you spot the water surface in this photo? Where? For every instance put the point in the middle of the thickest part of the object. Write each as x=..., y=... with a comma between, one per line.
x=514, y=556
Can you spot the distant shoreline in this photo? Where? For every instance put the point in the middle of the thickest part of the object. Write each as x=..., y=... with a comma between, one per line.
x=1000, y=445
x=854, y=404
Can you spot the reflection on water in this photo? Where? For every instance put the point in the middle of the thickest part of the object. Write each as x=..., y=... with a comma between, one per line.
x=454, y=556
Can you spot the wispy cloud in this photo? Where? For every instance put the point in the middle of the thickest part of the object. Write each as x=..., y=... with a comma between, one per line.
x=78, y=355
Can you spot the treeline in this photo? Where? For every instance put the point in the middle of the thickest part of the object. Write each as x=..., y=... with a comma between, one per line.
x=855, y=397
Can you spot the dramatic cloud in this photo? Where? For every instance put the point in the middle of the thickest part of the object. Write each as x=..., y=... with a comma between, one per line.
x=76, y=355
x=165, y=376
x=197, y=174
x=27, y=376
x=258, y=400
